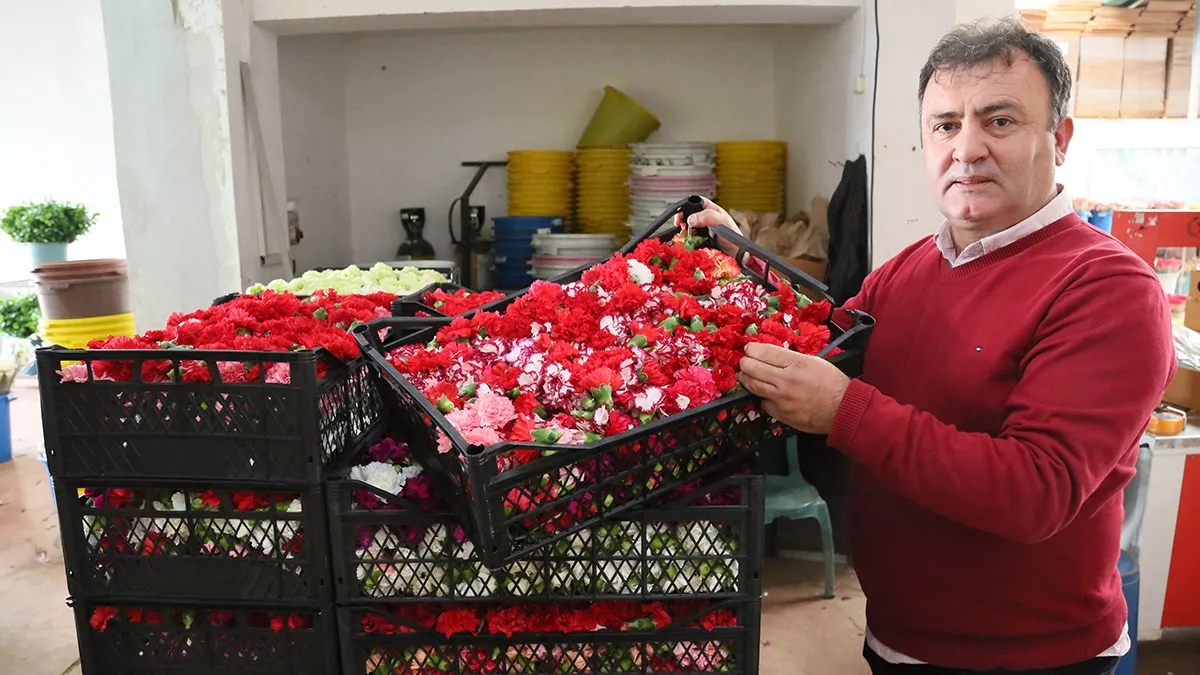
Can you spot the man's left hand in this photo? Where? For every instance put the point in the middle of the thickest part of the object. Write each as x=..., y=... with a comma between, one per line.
x=801, y=391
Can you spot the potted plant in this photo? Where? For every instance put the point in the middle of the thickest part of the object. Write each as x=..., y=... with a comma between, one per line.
x=19, y=315
x=47, y=228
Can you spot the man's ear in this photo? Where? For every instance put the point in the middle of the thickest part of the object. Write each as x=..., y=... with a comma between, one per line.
x=1062, y=139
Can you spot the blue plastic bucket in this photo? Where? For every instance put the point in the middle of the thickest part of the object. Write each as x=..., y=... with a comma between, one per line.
x=1130, y=581
x=5, y=430
x=510, y=278
x=519, y=230
x=1102, y=220
x=522, y=251
x=526, y=223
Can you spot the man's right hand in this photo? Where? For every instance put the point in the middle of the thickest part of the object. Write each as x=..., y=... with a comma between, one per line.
x=711, y=216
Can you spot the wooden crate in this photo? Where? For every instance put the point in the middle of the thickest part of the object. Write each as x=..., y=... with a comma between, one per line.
x=1145, y=77
x=1101, y=64
x=1179, y=74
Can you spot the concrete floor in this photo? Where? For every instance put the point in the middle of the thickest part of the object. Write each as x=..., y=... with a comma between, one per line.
x=803, y=634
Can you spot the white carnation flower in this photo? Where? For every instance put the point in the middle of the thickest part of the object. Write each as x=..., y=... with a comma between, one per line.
x=639, y=273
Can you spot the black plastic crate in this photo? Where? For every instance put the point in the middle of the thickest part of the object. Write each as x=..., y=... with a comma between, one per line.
x=416, y=303
x=681, y=549
x=157, y=638
x=514, y=511
x=133, y=541
x=257, y=430
x=381, y=641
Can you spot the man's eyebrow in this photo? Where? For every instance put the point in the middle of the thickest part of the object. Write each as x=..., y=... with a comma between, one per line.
x=985, y=110
x=998, y=107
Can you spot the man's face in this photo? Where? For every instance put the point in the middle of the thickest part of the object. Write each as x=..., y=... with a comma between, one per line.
x=989, y=153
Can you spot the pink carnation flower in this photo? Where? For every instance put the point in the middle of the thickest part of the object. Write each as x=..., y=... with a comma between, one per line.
x=481, y=436
x=464, y=419
x=493, y=410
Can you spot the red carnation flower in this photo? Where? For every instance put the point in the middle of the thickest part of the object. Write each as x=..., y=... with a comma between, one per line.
x=460, y=620
x=101, y=616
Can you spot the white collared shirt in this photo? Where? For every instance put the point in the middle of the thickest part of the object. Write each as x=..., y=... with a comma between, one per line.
x=1058, y=208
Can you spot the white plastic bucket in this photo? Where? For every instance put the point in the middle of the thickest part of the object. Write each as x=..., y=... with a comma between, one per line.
x=684, y=171
x=673, y=154
x=576, y=245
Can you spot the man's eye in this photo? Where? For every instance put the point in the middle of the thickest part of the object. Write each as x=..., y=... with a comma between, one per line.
x=944, y=127
x=1002, y=122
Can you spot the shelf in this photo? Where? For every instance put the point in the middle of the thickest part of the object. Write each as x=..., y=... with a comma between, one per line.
x=298, y=17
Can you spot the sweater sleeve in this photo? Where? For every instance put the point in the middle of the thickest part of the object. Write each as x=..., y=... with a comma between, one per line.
x=1098, y=366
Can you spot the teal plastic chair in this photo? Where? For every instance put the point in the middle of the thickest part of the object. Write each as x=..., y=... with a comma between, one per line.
x=794, y=498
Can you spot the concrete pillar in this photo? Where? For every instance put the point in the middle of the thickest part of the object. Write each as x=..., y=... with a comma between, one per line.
x=167, y=71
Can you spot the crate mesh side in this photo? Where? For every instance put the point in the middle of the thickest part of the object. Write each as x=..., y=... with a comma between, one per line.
x=214, y=544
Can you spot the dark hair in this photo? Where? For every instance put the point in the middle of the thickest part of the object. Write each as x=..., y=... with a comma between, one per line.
x=986, y=40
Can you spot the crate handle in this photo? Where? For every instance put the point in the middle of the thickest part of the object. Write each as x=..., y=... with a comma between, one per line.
x=689, y=206
x=863, y=324
x=770, y=261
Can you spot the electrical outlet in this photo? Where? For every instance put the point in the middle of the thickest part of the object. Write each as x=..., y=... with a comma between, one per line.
x=860, y=85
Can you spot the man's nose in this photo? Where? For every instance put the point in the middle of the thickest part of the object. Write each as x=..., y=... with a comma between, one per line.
x=970, y=145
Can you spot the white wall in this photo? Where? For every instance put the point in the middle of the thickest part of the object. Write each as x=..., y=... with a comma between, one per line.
x=313, y=88
x=818, y=109
x=1156, y=159
x=409, y=126
x=174, y=167
x=260, y=203
x=56, y=136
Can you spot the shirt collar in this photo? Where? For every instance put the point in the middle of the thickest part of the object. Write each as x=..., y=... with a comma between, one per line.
x=1055, y=210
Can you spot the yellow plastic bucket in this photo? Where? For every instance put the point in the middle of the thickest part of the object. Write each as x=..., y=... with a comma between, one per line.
x=76, y=333
x=617, y=122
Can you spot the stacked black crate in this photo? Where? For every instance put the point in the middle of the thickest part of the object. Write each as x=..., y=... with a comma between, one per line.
x=672, y=586
x=192, y=509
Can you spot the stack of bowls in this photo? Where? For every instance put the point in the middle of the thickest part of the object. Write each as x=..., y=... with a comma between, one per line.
x=751, y=175
x=603, y=198
x=664, y=173
x=540, y=182
x=557, y=254
x=513, y=248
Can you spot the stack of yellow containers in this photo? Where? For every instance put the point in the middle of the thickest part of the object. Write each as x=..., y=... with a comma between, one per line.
x=77, y=333
x=603, y=205
x=540, y=182
x=751, y=175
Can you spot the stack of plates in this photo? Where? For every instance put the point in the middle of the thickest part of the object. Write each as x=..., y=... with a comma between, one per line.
x=664, y=173
x=540, y=182
x=751, y=175
x=603, y=198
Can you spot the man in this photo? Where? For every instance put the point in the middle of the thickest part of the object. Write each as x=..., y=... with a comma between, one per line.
x=1017, y=358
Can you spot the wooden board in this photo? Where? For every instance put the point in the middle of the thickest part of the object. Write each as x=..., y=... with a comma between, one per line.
x=1100, y=72
x=1144, y=83
x=1072, y=58
x=1179, y=75
x=1169, y=5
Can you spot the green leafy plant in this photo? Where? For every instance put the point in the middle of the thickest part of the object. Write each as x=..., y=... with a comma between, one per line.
x=48, y=222
x=19, y=315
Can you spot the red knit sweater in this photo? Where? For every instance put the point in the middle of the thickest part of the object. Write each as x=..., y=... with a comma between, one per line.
x=994, y=428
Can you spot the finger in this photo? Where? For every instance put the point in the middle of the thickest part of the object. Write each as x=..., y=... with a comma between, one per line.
x=758, y=387
x=762, y=371
x=709, y=218
x=773, y=355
